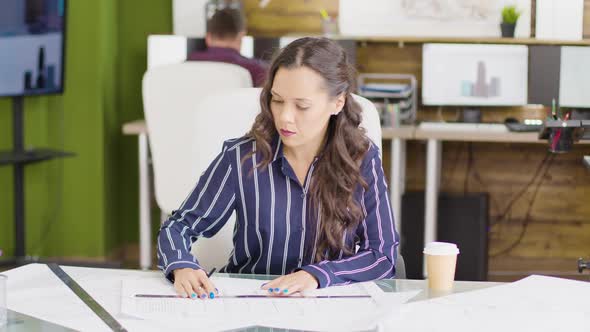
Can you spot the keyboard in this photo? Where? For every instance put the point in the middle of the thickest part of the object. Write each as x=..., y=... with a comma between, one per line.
x=459, y=126
x=524, y=128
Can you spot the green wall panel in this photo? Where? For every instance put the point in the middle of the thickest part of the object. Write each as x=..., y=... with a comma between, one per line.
x=87, y=205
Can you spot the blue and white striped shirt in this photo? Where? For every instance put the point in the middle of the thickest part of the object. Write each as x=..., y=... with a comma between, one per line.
x=275, y=229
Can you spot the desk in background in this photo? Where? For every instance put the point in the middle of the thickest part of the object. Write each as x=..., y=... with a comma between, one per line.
x=398, y=136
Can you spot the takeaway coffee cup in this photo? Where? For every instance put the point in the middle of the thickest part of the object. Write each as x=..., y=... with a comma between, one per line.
x=441, y=259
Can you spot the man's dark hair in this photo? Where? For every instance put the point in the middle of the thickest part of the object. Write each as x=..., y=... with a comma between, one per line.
x=226, y=23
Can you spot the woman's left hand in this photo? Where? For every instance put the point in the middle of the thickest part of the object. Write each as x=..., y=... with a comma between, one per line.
x=291, y=283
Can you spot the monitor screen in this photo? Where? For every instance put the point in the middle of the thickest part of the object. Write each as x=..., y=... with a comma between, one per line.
x=31, y=47
x=474, y=75
x=574, y=77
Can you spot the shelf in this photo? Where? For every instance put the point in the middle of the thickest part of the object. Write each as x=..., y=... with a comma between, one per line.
x=467, y=40
x=31, y=156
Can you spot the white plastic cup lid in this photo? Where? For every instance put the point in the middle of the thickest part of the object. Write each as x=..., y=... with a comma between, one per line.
x=441, y=248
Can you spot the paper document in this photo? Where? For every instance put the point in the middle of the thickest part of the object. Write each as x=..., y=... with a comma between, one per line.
x=536, y=303
x=294, y=313
x=384, y=87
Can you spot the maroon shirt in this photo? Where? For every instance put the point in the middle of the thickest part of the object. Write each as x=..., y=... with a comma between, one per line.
x=256, y=68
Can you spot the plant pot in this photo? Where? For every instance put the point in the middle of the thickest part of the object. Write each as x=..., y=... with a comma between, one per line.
x=507, y=30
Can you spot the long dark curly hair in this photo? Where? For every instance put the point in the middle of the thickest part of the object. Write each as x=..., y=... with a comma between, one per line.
x=337, y=174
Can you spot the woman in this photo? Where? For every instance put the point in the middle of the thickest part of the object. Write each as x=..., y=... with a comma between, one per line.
x=306, y=183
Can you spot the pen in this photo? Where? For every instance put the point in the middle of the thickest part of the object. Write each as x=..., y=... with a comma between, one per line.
x=211, y=272
x=253, y=296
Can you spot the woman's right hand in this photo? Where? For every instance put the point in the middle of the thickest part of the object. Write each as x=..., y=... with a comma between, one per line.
x=193, y=283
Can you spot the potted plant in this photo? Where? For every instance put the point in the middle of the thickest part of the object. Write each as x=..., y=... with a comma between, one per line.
x=509, y=17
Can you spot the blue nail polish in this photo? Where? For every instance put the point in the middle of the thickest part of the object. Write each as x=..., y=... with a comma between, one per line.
x=212, y=295
x=204, y=296
x=277, y=290
x=285, y=291
x=270, y=290
x=193, y=295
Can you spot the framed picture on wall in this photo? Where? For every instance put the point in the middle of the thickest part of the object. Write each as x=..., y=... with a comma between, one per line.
x=429, y=18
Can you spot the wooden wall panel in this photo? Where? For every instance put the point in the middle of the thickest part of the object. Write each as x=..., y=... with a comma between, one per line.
x=389, y=58
x=283, y=17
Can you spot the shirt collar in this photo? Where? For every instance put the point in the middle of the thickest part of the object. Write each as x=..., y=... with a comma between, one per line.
x=277, y=148
x=277, y=145
x=223, y=50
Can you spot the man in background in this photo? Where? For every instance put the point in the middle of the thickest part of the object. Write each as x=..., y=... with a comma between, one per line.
x=225, y=30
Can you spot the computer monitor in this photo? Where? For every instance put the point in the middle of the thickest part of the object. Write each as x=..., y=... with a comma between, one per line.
x=247, y=48
x=32, y=37
x=474, y=75
x=170, y=49
x=574, y=77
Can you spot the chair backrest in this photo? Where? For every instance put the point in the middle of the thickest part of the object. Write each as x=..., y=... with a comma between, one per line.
x=371, y=121
x=171, y=94
x=237, y=108
x=400, y=267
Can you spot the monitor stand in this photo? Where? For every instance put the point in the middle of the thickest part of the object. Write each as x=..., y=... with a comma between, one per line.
x=581, y=114
x=470, y=115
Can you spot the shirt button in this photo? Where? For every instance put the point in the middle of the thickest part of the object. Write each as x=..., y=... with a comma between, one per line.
x=303, y=195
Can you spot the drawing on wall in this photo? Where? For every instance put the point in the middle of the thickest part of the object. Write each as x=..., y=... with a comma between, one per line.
x=430, y=18
x=449, y=10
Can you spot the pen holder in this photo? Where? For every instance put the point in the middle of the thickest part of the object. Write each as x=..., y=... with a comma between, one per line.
x=329, y=27
x=561, y=139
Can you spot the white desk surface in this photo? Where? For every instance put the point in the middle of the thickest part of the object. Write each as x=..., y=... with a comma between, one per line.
x=477, y=136
x=410, y=132
x=139, y=127
x=35, y=291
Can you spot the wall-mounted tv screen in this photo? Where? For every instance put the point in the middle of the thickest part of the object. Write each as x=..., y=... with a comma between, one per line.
x=32, y=43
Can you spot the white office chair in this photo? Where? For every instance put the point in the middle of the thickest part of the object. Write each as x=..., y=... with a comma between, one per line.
x=237, y=109
x=171, y=94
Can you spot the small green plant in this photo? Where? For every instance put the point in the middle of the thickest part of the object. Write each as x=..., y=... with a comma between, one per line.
x=510, y=14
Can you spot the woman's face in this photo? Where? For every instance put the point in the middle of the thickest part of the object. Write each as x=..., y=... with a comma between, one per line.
x=301, y=107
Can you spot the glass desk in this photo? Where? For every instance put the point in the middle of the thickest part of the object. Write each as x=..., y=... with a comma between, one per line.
x=21, y=322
